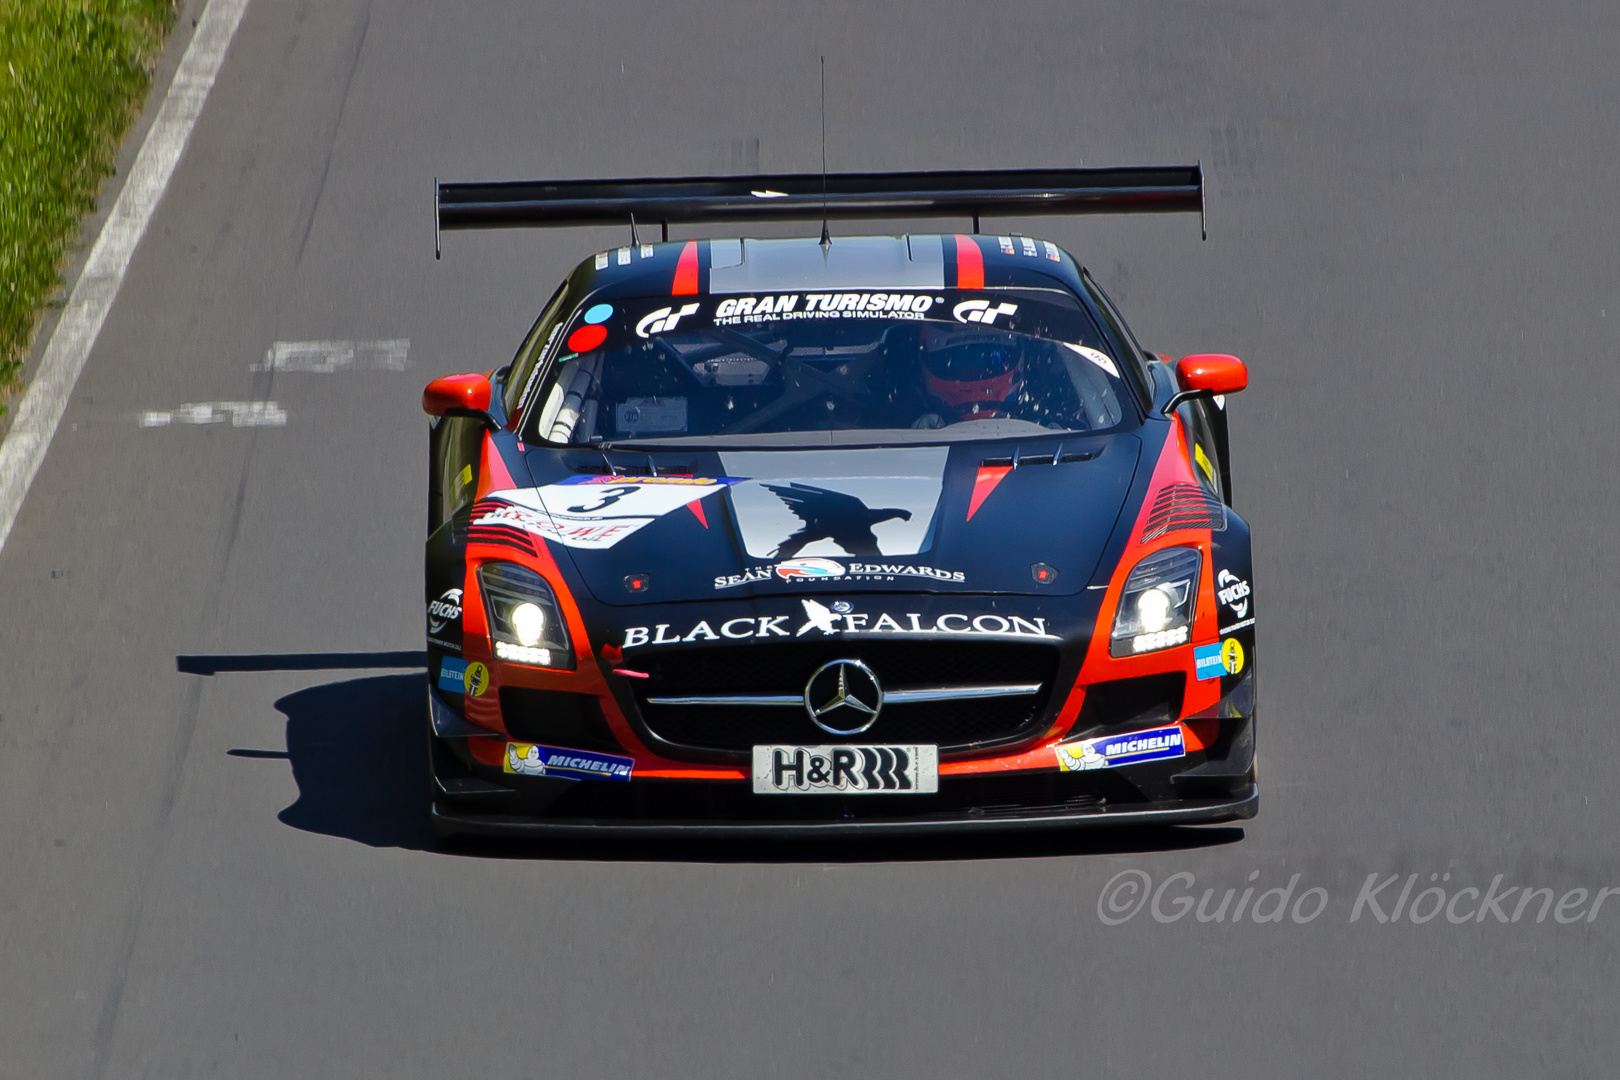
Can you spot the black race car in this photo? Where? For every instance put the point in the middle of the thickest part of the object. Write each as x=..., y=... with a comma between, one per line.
x=861, y=534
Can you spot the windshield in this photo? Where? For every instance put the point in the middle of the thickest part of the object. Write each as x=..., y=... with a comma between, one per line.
x=797, y=369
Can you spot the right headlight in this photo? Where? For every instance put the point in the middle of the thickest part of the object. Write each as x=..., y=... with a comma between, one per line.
x=524, y=621
x=1157, y=605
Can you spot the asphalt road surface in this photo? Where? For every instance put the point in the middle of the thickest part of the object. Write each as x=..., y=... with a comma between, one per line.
x=212, y=860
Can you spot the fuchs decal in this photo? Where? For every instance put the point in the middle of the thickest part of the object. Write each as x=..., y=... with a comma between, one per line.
x=865, y=503
x=443, y=611
x=821, y=620
x=1232, y=591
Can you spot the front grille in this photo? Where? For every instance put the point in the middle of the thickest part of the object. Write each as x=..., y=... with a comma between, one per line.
x=1183, y=506
x=785, y=668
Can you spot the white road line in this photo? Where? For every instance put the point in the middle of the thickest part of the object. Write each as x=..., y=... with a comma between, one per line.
x=325, y=357
x=239, y=413
x=41, y=408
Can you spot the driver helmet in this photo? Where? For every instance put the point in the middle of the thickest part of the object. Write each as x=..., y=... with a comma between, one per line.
x=974, y=374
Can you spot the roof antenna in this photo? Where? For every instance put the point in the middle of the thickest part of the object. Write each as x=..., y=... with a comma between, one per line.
x=826, y=240
x=635, y=241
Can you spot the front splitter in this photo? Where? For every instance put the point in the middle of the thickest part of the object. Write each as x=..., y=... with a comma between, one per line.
x=449, y=822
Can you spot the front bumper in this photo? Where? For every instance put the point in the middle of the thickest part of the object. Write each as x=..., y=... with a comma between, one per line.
x=475, y=800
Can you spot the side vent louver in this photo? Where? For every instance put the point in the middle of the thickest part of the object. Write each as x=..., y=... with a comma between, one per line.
x=1183, y=506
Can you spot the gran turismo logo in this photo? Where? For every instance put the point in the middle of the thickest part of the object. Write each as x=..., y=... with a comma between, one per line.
x=663, y=320
x=980, y=311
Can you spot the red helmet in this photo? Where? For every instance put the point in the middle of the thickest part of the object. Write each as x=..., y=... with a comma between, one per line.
x=973, y=373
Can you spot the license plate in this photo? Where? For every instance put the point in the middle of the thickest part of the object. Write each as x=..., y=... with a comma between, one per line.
x=846, y=770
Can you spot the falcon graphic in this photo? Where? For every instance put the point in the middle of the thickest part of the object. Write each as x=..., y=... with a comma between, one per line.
x=830, y=515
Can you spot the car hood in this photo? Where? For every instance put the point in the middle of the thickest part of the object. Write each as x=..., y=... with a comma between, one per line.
x=699, y=525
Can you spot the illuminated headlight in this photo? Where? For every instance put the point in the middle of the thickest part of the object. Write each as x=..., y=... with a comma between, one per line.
x=524, y=622
x=1157, y=605
x=523, y=654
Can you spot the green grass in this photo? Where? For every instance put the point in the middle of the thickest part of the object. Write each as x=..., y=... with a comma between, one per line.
x=73, y=75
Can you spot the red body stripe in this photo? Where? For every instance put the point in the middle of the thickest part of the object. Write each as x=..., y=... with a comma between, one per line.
x=983, y=484
x=696, y=506
x=686, y=271
x=492, y=476
x=969, y=264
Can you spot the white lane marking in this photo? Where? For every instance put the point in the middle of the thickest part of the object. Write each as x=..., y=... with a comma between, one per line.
x=41, y=408
x=239, y=413
x=325, y=357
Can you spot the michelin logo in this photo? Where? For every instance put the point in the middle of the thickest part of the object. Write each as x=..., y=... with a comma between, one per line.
x=1154, y=744
x=536, y=759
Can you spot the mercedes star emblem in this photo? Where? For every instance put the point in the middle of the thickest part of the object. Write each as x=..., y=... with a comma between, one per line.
x=843, y=697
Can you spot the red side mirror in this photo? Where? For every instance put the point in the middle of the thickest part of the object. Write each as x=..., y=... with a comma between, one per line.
x=1216, y=372
x=457, y=395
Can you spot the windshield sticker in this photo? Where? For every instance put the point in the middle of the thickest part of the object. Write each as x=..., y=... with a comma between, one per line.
x=1101, y=359
x=853, y=503
x=816, y=569
x=980, y=311
x=594, y=512
x=642, y=415
x=739, y=311
x=598, y=313
x=663, y=320
x=824, y=621
x=586, y=338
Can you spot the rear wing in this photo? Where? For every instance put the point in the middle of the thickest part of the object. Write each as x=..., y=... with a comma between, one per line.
x=814, y=197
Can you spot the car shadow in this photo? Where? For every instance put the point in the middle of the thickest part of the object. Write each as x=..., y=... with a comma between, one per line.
x=358, y=750
x=359, y=756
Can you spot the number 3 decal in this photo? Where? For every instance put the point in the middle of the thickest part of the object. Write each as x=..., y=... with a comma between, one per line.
x=609, y=497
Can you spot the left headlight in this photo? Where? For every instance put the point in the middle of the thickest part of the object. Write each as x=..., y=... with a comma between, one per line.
x=1157, y=605
x=525, y=624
